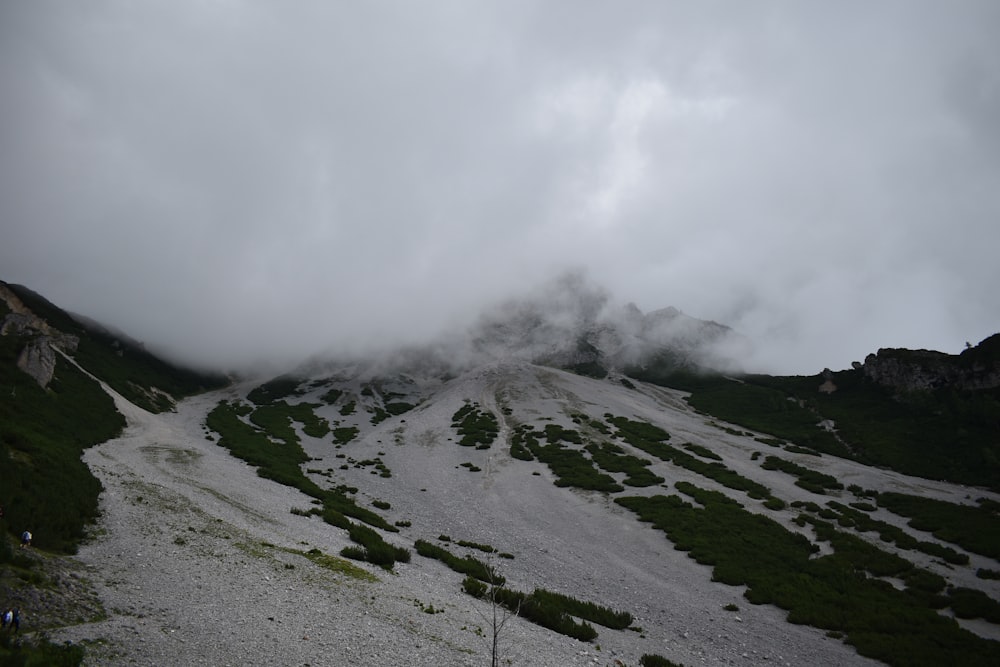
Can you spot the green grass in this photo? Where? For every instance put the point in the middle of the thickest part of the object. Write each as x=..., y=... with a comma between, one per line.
x=44, y=485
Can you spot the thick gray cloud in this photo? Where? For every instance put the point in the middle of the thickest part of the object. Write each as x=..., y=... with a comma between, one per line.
x=232, y=179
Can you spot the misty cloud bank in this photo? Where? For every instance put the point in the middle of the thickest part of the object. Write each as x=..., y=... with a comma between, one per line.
x=229, y=181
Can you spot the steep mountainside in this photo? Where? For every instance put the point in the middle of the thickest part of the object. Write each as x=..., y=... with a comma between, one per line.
x=53, y=407
x=380, y=511
x=923, y=413
x=921, y=370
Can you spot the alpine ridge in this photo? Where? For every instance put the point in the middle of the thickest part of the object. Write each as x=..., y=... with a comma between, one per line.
x=604, y=482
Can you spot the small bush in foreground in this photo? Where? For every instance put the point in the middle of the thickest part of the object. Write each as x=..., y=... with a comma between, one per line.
x=652, y=660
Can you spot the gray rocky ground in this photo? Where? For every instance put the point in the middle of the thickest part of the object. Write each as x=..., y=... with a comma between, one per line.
x=199, y=561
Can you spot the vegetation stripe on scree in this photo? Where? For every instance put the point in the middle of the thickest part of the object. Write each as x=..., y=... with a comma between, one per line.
x=839, y=592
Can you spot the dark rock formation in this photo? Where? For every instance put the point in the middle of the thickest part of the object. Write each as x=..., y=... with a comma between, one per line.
x=38, y=357
x=921, y=370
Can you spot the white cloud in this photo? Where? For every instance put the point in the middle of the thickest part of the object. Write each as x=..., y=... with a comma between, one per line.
x=234, y=179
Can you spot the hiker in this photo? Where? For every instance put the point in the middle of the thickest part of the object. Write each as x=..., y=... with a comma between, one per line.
x=25, y=539
x=6, y=619
x=16, y=620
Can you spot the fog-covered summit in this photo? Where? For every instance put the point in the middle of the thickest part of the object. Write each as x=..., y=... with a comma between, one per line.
x=569, y=323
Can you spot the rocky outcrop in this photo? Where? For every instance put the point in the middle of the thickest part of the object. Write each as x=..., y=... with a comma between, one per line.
x=38, y=357
x=922, y=370
x=572, y=324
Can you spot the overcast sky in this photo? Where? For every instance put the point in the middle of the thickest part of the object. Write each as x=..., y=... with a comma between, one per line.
x=233, y=179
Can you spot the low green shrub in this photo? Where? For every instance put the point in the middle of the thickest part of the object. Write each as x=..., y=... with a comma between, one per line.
x=612, y=458
x=653, y=660
x=375, y=549
x=344, y=434
x=807, y=478
x=38, y=652
x=842, y=591
x=278, y=388
x=702, y=451
x=477, y=428
x=467, y=565
x=974, y=528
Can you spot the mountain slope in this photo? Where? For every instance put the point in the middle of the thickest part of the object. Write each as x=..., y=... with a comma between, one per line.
x=54, y=407
x=924, y=413
x=442, y=472
x=369, y=489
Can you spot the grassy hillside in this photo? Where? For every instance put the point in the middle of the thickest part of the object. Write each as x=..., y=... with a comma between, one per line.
x=44, y=485
x=125, y=365
x=945, y=433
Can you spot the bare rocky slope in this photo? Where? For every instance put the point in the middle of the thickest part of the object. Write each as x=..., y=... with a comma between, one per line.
x=198, y=560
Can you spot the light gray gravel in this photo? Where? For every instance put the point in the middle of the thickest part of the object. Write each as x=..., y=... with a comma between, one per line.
x=198, y=560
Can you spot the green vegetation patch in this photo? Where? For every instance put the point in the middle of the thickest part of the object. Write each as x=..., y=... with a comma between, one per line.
x=944, y=433
x=398, y=408
x=553, y=611
x=521, y=442
x=974, y=528
x=702, y=451
x=849, y=517
x=466, y=565
x=651, y=439
x=38, y=651
x=612, y=458
x=806, y=478
x=132, y=371
x=476, y=427
x=373, y=548
x=274, y=390
x=44, y=485
x=332, y=396
x=653, y=660
x=636, y=431
x=572, y=468
x=839, y=592
x=344, y=434
x=338, y=565
x=282, y=462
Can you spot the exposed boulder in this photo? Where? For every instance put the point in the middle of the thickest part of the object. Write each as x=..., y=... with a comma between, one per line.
x=38, y=357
